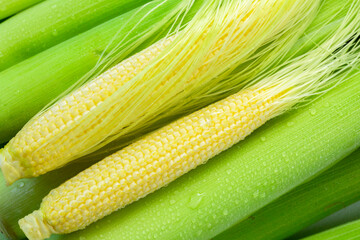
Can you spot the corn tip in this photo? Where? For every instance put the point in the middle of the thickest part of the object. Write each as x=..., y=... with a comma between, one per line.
x=35, y=227
x=10, y=169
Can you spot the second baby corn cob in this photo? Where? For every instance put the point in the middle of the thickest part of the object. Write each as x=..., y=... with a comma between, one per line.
x=149, y=164
x=131, y=93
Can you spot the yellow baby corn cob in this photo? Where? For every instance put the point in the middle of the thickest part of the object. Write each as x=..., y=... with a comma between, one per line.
x=91, y=116
x=149, y=164
x=64, y=114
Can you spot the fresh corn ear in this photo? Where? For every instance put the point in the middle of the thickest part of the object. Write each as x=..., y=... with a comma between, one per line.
x=38, y=80
x=157, y=83
x=52, y=22
x=166, y=154
x=72, y=108
x=10, y=7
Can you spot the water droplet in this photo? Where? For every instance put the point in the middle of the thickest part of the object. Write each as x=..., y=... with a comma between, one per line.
x=256, y=193
x=172, y=201
x=283, y=154
x=225, y=212
x=209, y=225
x=195, y=200
x=312, y=112
x=263, y=139
x=21, y=184
x=289, y=124
x=228, y=171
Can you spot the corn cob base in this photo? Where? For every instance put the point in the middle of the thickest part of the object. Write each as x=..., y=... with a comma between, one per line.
x=35, y=227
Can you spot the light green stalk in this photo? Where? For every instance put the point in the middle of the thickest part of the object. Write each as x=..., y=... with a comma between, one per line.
x=10, y=7
x=52, y=22
x=233, y=185
x=30, y=85
x=350, y=231
x=304, y=205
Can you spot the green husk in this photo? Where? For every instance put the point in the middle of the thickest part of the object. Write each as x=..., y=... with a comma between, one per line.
x=245, y=178
x=52, y=22
x=304, y=205
x=346, y=231
x=10, y=7
x=28, y=86
x=343, y=216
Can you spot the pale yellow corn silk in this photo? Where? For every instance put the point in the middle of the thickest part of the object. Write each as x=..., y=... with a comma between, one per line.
x=168, y=75
x=149, y=163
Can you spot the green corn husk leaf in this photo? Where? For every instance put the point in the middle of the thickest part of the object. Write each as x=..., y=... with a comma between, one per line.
x=11, y=7
x=343, y=216
x=52, y=22
x=33, y=83
x=304, y=205
x=344, y=232
x=233, y=185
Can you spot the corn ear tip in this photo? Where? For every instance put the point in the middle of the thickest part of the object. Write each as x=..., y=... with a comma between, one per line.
x=9, y=169
x=35, y=227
